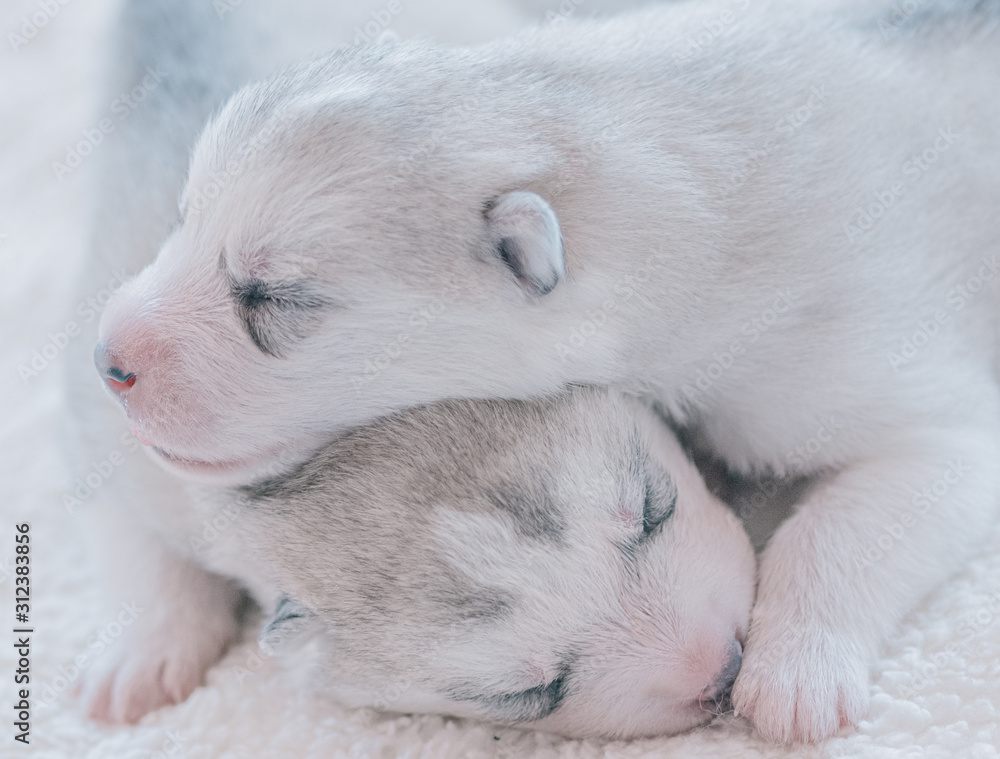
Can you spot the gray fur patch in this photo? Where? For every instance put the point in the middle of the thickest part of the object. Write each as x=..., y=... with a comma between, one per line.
x=533, y=509
x=474, y=604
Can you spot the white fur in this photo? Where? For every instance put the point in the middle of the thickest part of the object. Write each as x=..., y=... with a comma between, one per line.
x=706, y=203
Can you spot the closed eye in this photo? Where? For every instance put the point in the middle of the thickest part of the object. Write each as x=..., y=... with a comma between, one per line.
x=526, y=706
x=660, y=500
x=276, y=314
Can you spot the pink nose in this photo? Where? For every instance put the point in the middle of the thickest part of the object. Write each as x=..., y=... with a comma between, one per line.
x=117, y=378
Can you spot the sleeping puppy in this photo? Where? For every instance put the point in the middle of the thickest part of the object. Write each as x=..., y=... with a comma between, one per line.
x=556, y=564
x=785, y=235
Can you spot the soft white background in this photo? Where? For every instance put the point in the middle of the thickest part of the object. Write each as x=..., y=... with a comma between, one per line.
x=945, y=659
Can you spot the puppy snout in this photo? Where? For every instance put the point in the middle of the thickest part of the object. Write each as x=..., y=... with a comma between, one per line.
x=716, y=696
x=119, y=379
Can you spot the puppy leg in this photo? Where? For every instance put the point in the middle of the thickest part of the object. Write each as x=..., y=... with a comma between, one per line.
x=184, y=616
x=832, y=586
x=185, y=620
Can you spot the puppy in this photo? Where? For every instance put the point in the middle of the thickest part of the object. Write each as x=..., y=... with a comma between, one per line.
x=556, y=564
x=785, y=236
x=177, y=61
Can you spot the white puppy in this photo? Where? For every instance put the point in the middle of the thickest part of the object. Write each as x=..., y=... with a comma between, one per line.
x=557, y=564
x=785, y=234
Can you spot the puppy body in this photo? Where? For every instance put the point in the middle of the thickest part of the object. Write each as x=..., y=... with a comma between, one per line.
x=786, y=238
x=558, y=564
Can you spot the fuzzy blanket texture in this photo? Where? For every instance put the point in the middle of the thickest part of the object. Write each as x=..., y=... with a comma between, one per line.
x=936, y=688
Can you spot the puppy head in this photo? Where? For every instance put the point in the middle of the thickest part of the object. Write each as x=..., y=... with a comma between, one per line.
x=333, y=261
x=557, y=565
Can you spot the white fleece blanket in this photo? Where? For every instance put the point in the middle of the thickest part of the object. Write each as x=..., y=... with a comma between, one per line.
x=936, y=689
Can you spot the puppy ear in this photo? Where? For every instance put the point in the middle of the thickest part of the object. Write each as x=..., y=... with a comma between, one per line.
x=525, y=234
x=291, y=624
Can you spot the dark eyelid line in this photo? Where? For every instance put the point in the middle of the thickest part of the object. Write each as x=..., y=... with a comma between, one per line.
x=659, y=487
x=528, y=705
x=295, y=294
x=275, y=314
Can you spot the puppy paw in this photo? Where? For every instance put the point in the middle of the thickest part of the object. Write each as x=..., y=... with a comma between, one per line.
x=155, y=663
x=801, y=689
